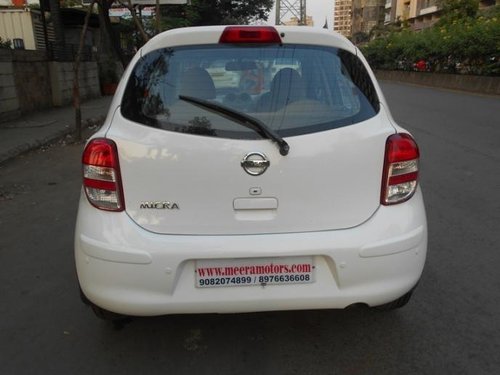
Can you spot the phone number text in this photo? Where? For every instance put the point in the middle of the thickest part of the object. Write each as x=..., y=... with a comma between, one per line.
x=253, y=280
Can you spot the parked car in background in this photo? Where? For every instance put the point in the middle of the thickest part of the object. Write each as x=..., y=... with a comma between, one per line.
x=201, y=195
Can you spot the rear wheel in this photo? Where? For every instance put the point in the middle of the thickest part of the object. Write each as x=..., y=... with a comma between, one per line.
x=396, y=304
x=105, y=314
x=118, y=320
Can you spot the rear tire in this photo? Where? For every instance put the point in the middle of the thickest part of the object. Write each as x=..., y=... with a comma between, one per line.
x=118, y=320
x=396, y=304
x=105, y=314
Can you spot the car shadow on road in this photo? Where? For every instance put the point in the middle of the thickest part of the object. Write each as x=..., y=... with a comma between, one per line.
x=267, y=340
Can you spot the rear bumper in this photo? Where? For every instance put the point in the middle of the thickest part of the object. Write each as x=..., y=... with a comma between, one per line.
x=125, y=269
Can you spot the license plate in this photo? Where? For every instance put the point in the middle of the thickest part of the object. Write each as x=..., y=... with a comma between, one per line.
x=213, y=273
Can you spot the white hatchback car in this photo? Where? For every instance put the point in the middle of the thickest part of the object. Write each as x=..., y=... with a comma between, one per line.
x=294, y=189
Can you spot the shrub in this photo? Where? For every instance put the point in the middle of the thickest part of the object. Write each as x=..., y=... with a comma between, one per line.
x=463, y=44
x=5, y=43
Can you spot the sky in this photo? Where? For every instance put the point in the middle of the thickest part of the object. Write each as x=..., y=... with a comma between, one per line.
x=318, y=9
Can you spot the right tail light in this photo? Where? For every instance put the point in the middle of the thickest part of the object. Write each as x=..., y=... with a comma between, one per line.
x=400, y=175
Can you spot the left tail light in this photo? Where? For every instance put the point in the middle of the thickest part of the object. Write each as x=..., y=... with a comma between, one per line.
x=400, y=175
x=101, y=175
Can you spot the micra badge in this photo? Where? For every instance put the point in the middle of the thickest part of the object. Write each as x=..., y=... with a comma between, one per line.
x=160, y=205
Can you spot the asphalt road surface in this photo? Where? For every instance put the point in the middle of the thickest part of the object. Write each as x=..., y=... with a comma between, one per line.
x=451, y=326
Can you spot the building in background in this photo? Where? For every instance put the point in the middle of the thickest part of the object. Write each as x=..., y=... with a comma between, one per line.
x=13, y=3
x=342, y=17
x=423, y=13
x=357, y=19
x=294, y=21
x=367, y=14
x=420, y=14
x=24, y=27
x=390, y=11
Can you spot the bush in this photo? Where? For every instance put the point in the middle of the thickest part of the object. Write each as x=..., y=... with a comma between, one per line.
x=5, y=43
x=464, y=45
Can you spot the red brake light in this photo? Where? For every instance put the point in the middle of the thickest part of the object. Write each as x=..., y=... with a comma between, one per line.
x=101, y=175
x=400, y=175
x=100, y=152
x=250, y=34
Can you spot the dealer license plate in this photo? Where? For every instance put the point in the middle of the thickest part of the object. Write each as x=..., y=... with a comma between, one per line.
x=253, y=271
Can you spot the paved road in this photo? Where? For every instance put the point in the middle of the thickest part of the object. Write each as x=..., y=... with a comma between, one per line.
x=451, y=326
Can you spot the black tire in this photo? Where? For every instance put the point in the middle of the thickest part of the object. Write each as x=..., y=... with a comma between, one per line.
x=396, y=304
x=103, y=314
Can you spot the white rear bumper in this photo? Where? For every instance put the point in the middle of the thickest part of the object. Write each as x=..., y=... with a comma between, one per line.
x=125, y=269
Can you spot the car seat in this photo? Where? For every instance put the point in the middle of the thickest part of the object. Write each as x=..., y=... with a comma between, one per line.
x=197, y=82
x=286, y=87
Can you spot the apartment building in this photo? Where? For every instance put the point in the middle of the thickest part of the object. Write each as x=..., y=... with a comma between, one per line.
x=420, y=14
x=367, y=14
x=361, y=16
x=390, y=11
x=342, y=17
x=423, y=13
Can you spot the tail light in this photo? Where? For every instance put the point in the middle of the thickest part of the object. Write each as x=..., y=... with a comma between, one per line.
x=101, y=175
x=400, y=176
x=250, y=34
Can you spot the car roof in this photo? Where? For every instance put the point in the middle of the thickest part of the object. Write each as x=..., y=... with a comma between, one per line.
x=211, y=34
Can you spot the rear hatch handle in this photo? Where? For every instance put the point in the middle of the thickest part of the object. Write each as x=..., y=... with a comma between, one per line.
x=241, y=118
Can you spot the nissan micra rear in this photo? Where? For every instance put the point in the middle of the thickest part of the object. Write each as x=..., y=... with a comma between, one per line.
x=247, y=169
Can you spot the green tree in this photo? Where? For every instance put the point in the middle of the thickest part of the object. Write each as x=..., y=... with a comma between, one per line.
x=360, y=37
x=5, y=43
x=223, y=12
x=200, y=13
x=453, y=10
x=467, y=45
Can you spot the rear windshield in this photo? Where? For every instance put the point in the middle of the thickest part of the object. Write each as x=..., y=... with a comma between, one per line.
x=293, y=89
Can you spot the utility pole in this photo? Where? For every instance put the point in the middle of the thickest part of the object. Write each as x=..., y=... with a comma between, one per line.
x=285, y=9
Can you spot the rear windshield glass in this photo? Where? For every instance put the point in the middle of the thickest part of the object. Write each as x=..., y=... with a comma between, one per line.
x=293, y=89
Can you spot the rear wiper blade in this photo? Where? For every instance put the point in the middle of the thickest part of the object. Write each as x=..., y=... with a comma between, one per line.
x=241, y=118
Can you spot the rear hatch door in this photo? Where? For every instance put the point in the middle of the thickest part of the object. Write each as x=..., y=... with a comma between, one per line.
x=188, y=170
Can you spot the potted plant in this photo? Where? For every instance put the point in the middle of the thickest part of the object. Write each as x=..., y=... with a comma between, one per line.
x=108, y=77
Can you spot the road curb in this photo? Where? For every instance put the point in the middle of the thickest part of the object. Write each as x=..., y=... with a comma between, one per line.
x=482, y=85
x=6, y=155
x=38, y=129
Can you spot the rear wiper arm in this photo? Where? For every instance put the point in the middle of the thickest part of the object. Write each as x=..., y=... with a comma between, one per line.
x=241, y=118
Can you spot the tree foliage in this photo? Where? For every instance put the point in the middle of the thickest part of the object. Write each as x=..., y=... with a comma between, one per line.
x=201, y=13
x=463, y=44
x=223, y=12
x=5, y=43
x=214, y=12
x=454, y=10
